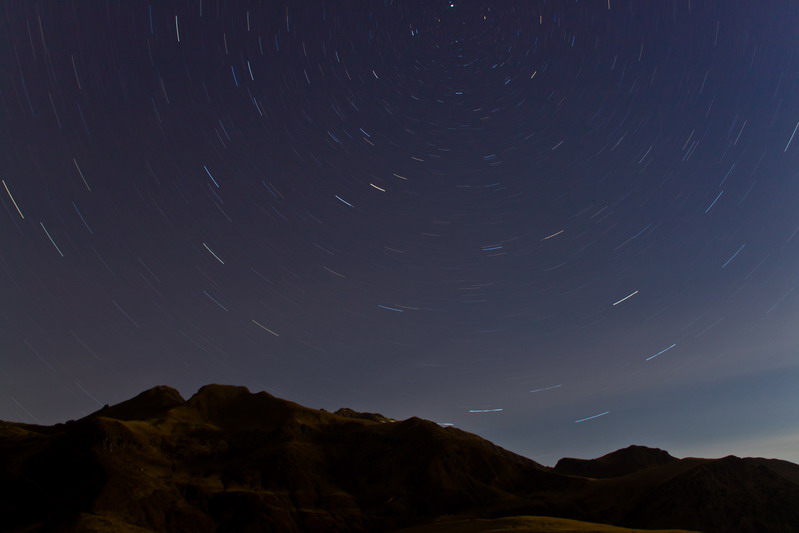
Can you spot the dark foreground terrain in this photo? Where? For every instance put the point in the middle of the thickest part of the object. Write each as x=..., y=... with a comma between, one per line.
x=227, y=460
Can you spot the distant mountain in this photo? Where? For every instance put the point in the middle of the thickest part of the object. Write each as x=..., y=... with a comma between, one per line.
x=227, y=460
x=615, y=464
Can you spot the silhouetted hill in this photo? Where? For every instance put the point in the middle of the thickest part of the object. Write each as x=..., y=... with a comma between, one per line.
x=615, y=464
x=229, y=460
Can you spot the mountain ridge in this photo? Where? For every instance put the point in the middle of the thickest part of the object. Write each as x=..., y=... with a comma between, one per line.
x=226, y=459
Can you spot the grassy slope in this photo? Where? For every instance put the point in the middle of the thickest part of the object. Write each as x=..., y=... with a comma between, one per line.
x=525, y=524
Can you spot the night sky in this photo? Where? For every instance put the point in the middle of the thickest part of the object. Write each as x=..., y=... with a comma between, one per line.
x=565, y=226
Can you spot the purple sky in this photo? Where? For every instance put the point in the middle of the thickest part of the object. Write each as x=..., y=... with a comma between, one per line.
x=565, y=226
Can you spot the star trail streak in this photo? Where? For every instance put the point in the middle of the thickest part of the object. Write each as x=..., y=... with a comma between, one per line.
x=660, y=352
x=13, y=200
x=625, y=298
x=591, y=417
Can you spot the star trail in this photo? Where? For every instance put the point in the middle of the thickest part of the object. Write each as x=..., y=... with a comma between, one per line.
x=532, y=210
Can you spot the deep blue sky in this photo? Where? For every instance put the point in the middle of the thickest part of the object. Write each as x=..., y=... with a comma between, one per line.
x=544, y=211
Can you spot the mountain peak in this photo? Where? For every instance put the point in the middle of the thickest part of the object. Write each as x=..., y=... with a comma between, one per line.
x=152, y=403
x=615, y=464
x=229, y=406
x=218, y=389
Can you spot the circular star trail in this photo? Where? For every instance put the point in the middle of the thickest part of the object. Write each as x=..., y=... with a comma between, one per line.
x=566, y=226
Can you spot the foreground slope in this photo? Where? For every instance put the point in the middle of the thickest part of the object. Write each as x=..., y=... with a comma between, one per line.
x=524, y=524
x=229, y=460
